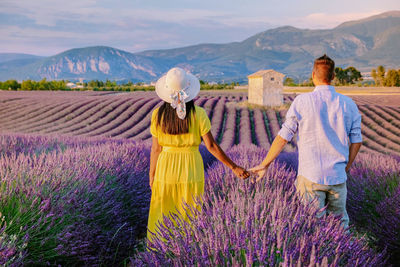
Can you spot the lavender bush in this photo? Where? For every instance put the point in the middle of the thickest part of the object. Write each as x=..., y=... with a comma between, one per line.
x=11, y=254
x=245, y=224
x=83, y=204
x=374, y=200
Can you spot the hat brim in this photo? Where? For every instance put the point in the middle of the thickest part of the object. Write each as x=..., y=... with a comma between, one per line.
x=165, y=93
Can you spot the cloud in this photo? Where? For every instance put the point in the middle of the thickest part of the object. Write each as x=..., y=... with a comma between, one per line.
x=328, y=21
x=46, y=12
x=51, y=26
x=82, y=23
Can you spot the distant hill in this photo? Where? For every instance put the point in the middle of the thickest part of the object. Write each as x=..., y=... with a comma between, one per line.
x=16, y=56
x=89, y=63
x=364, y=43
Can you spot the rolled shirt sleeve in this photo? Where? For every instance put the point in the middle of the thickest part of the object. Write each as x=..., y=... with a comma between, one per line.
x=289, y=127
x=355, y=131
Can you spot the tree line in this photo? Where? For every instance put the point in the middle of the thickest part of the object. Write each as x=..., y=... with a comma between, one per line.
x=381, y=77
x=96, y=85
x=351, y=75
x=346, y=76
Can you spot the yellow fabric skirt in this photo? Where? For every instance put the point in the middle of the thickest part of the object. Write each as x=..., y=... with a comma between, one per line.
x=179, y=179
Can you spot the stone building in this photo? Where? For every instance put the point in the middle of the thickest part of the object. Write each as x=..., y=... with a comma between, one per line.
x=266, y=88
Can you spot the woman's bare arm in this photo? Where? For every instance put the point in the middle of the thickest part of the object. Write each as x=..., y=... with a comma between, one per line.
x=217, y=152
x=155, y=152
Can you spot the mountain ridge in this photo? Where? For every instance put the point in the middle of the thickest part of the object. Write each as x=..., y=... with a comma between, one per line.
x=363, y=43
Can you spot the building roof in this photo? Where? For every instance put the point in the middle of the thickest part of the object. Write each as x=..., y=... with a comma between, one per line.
x=262, y=73
x=70, y=84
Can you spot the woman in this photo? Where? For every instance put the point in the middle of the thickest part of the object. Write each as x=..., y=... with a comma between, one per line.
x=176, y=166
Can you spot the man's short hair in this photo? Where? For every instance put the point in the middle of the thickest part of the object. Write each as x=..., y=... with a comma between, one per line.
x=324, y=68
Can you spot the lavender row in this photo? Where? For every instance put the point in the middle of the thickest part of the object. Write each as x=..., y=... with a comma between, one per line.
x=375, y=141
x=55, y=118
x=109, y=113
x=83, y=120
x=120, y=118
x=18, y=109
x=36, y=109
x=209, y=106
x=229, y=133
x=217, y=119
x=245, y=128
x=29, y=114
x=387, y=116
x=143, y=116
x=381, y=127
x=260, y=130
x=77, y=117
x=199, y=101
x=273, y=122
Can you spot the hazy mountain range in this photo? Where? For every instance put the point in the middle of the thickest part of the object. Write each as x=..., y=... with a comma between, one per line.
x=364, y=44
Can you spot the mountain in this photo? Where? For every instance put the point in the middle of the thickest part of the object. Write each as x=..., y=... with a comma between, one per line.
x=89, y=63
x=4, y=57
x=364, y=44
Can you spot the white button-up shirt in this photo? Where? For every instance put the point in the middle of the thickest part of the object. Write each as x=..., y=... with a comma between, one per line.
x=326, y=122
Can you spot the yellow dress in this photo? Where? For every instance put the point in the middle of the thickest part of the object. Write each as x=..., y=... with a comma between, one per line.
x=179, y=176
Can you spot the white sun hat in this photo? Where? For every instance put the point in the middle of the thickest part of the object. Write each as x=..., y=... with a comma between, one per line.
x=178, y=87
x=177, y=80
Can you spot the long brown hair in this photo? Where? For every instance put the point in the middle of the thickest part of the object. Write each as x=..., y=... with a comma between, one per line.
x=169, y=121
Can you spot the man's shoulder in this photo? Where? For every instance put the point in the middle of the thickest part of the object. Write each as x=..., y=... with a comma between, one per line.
x=348, y=100
x=302, y=97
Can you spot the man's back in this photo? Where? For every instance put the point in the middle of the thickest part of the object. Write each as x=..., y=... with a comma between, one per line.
x=329, y=138
x=326, y=122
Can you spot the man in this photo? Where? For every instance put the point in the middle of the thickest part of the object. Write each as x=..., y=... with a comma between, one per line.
x=329, y=137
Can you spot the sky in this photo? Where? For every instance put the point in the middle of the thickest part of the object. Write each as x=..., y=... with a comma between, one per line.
x=48, y=27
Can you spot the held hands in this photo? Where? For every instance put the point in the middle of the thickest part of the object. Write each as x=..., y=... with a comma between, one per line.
x=240, y=172
x=259, y=170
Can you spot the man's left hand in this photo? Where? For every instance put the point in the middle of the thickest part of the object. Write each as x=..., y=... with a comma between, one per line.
x=259, y=170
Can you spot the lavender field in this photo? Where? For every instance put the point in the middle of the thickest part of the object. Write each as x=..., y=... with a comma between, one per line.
x=74, y=188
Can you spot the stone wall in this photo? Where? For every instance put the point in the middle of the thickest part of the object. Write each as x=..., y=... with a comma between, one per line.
x=272, y=90
x=266, y=90
x=256, y=87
